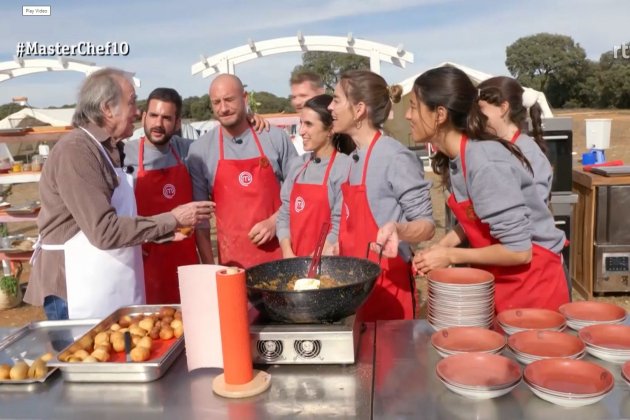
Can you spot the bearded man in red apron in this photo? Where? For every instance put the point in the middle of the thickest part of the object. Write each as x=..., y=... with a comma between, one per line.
x=241, y=170
x=162, y=183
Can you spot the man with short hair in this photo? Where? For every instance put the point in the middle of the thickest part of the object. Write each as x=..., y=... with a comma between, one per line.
x=162, y=183
x=241, y=171
x=88, y=262
x=304, y=85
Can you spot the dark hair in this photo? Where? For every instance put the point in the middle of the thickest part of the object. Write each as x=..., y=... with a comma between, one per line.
x=497, y=90
x=167, y=95
x=451, y=88
x=319, y=104
x=300, y=77
x=371, y=89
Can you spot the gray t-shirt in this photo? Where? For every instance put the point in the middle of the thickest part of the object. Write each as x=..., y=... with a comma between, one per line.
x=314, y=174
x=203, y=155
x=156, y=157
x=505, y=196
x=396, y=188
x=543, y=173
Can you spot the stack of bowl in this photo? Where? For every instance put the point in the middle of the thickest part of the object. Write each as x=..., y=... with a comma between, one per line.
x=610, y=342
x=479, y=375
x=456, y=340
x=516, y=320
x=585, y=313
x=460, y=297
x=529, y=346
x=567, y=382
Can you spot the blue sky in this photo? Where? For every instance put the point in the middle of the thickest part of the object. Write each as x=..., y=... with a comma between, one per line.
x=167, y=37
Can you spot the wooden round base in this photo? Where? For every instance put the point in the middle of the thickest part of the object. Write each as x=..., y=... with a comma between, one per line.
x=258, y=385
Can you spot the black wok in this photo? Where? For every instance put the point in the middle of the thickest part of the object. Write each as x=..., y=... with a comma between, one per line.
x=356, y=278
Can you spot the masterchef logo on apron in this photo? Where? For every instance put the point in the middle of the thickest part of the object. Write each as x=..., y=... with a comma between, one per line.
x=245, y=178
x=169, y=191
x=299, y=204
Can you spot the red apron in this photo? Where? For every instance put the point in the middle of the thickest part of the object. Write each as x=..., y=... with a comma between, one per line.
x=246, y=192
x=309, y=210
x=393, y=296
x=158, y=191
x=539, y=284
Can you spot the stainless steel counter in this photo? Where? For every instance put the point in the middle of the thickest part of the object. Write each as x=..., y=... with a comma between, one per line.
x=296, y=391
x=405, y=385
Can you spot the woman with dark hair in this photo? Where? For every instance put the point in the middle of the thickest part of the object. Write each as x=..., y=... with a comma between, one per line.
x=385, y=184
x=493, y=196
x=504, y=101
x=311, y=193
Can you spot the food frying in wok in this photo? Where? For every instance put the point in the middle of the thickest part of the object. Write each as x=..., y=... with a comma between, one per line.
x=325, y=282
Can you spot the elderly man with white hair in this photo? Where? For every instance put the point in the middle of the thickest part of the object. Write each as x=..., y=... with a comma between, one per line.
x=87, y=262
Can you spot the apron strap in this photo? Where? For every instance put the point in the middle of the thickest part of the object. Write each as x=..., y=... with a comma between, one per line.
x=221, y=154
x=515, y=136
x=377, y=136
x=141, y=154
x=330, y=165
x=102, y=149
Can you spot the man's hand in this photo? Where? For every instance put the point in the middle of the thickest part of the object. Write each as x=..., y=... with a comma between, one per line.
x=431, y=258
x=258, y=122
x=263, y=232
x=387, y=236
x=190, y=214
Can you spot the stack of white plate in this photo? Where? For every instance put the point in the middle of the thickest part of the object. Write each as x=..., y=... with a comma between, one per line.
x=516, y=320
x=610, y=342
x=584, y=313
x=460, y=297
x=479, y=375
x=567, y=382
x=529, y=346
x=456, y=340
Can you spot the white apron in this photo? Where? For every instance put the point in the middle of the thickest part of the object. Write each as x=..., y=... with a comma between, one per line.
x=97, y=281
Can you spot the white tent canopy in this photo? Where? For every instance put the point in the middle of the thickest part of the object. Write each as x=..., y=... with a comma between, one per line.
x=54, y=117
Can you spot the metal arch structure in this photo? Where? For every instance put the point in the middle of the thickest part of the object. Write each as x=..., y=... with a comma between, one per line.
x=21, y=67
x=226, y=61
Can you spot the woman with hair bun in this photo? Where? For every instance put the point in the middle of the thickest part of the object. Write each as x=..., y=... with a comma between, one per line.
x=504, y=101
x=385, y=186
x=493, y=196
x=311, y=193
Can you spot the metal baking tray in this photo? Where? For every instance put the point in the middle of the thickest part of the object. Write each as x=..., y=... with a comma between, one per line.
x=33, y=340
x=121, y=371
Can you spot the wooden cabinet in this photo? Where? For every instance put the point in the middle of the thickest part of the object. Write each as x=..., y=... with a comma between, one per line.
x=582, y=269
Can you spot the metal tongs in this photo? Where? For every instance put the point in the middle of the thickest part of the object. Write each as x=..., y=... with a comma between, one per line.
x=316, y=262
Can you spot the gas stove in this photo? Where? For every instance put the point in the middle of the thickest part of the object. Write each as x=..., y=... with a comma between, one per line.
x=330, y=343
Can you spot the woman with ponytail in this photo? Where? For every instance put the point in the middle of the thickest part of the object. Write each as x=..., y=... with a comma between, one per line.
x=506, y=104
x=493, y=196
x=385, y=184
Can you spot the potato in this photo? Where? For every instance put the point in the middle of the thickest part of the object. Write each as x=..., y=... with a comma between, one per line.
x=38, y=369
x=19, y=371
x=155, y=333
x=124, y=321
x=167, y=320
x=139, y=354
x=147, y=324
x=46, y=357
x=81, y=354
x=73, y=359
x=116, y=335
x=75, y=348
x=5, y=372
x=138, y=331
x=107, y=347
x=90, y=359
x=145, y=342
x=100, y=355
x=118, y=344
x=166, y=333
x=177, y=323
x=178, y=315
x=102, y=337
x=64, y=356
x=178, y=332
x=166, y=311
x=115, y=327
x=135, y=339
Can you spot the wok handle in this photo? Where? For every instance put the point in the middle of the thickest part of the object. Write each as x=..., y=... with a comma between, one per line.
x=380, y=254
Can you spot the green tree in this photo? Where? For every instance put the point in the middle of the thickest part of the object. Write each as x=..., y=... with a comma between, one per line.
x=200, y=108
x=269, y=103
x=330, y=65
x=8, y=109
x=614, y=81
x=552, y=63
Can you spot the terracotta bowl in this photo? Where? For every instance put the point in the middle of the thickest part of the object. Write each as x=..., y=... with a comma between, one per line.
x=545, y=344
x=468, y=339
x=569, y=378
x=607, y=336
x=593, y=311
x=479, y=370
x=461, y=276
x=531, y=319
